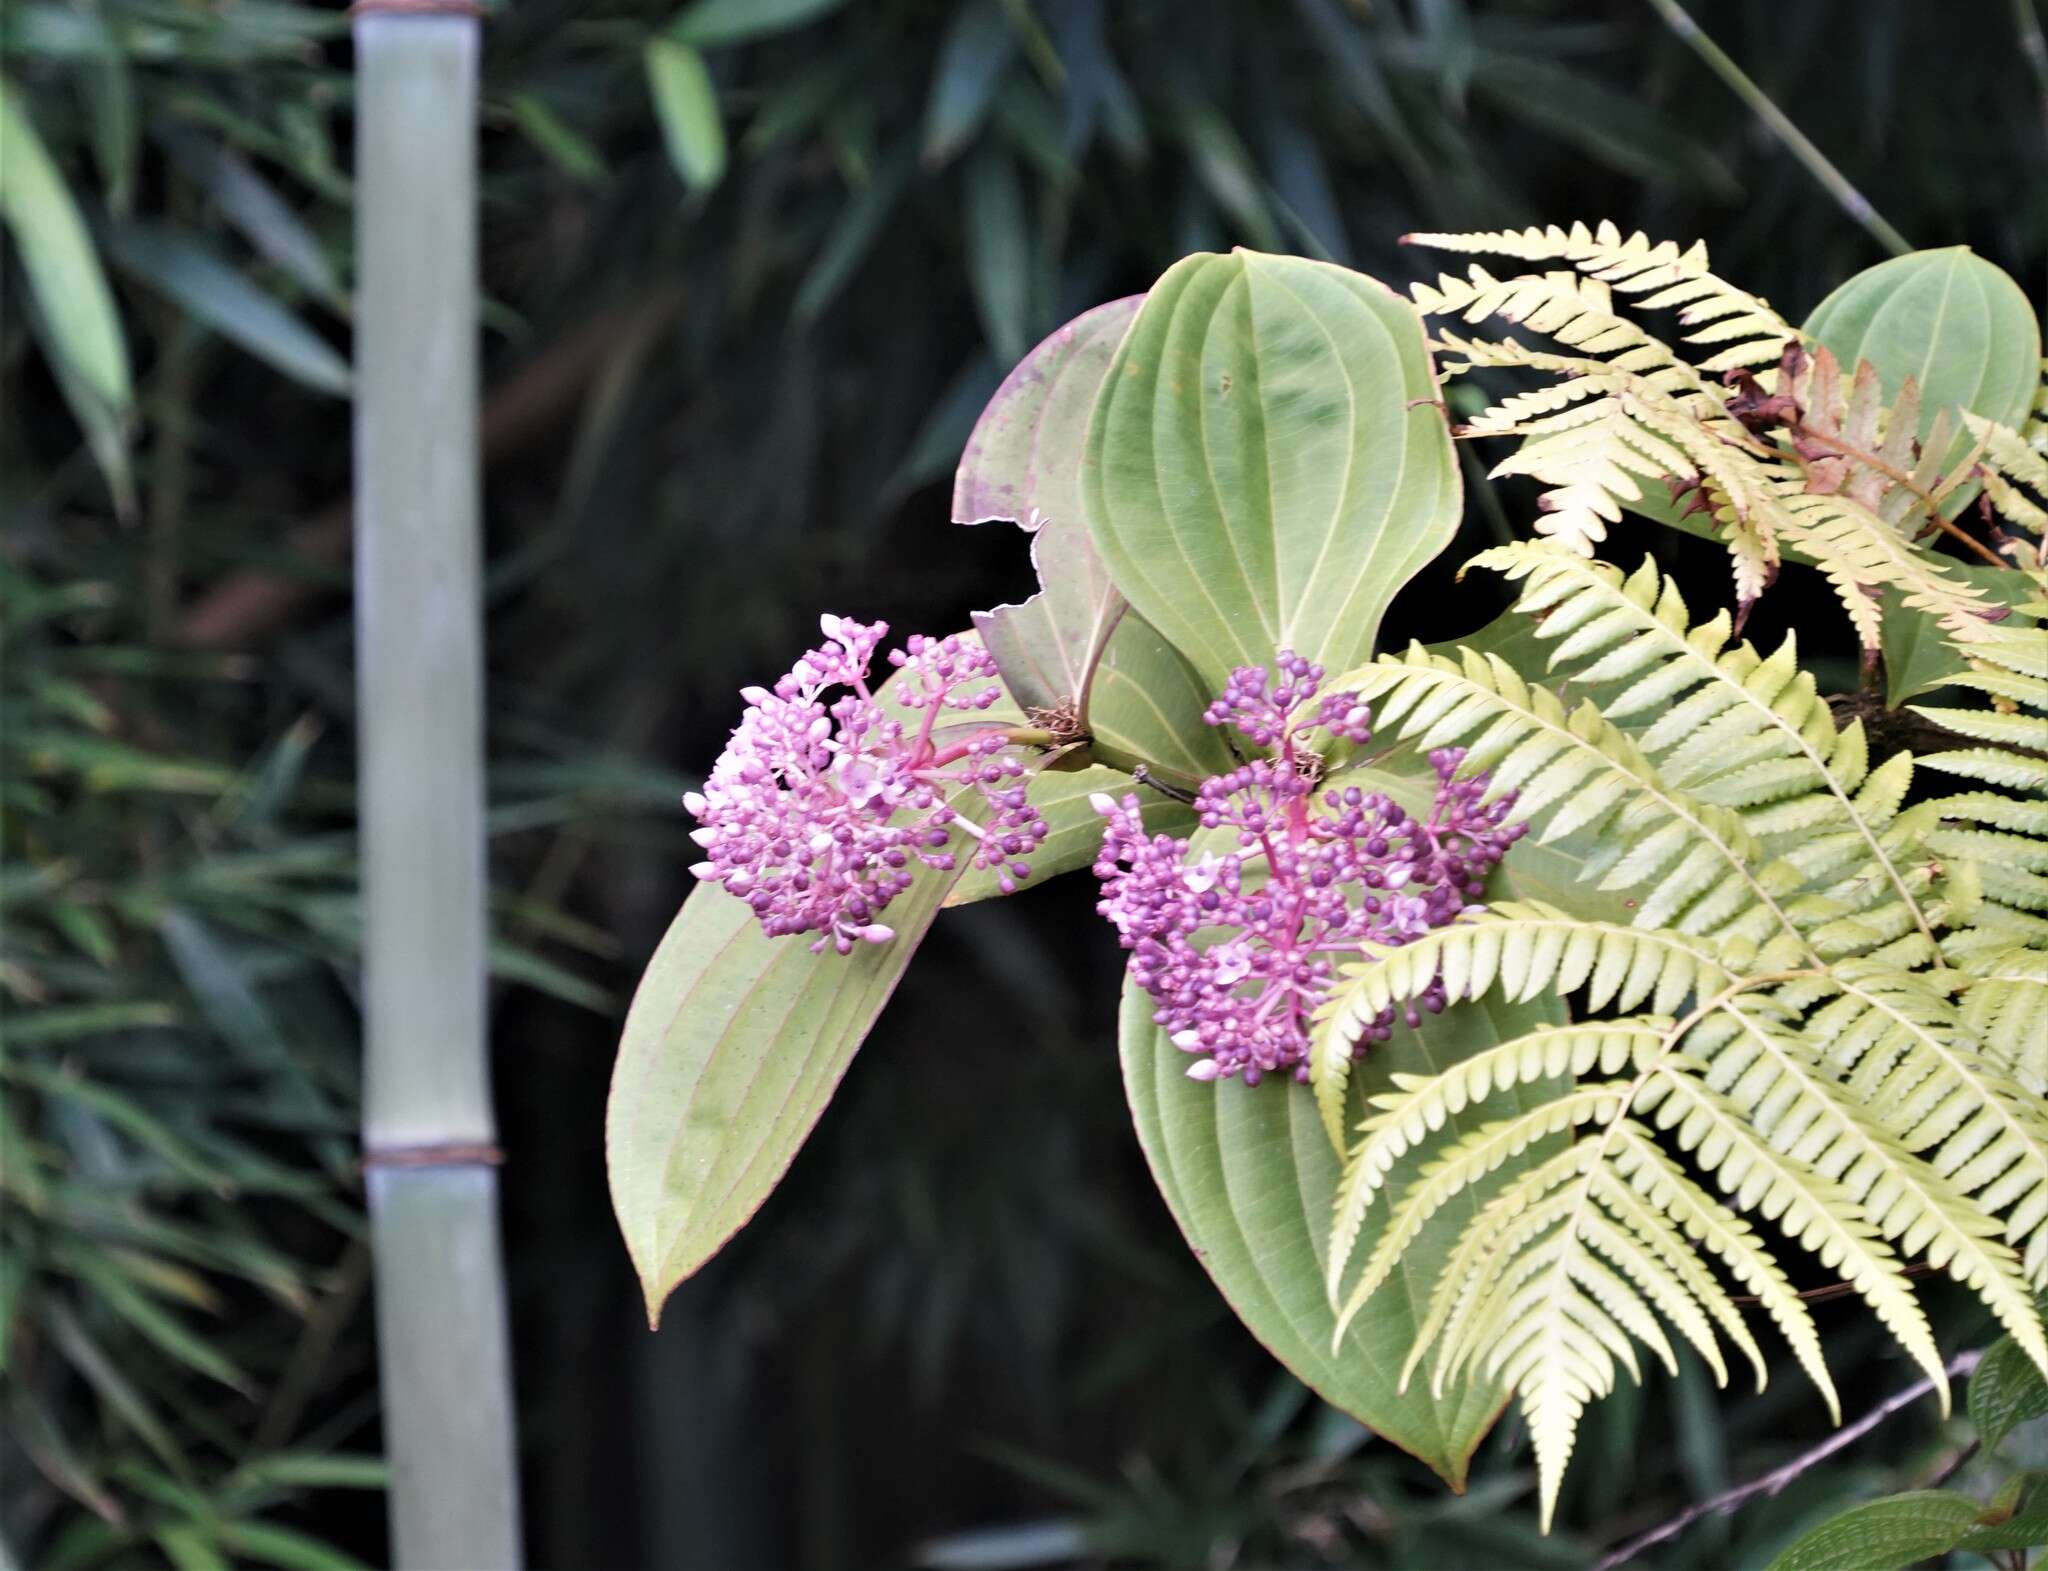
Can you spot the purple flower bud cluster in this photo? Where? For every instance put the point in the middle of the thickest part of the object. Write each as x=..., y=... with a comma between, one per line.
x=816, y=811
x=1238, y=947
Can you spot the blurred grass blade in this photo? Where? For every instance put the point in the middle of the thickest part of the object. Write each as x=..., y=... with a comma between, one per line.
x=63, y=272
x=31, y=1426
x=562, y=146
x=122, y=1399
x=216, y=294
x=710, y=23
x=258, y=212
x=312, y=1470
x=686, y=104
x=975, y=52
x=285, y=1549
x=188, y=1548
x=115, y=1292
x=1225, y=167
x=998, y=251
x=110, y=100
x=851, y=237
x=126, y=1115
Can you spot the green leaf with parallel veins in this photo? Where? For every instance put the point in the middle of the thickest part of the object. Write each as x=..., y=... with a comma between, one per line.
x=1884, y=1535
x=1267, y=463
x=1250, y=1177
x=1955, y=323
x=733, y=1046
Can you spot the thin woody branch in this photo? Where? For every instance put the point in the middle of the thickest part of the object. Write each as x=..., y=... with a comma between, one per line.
x=1777, y=1478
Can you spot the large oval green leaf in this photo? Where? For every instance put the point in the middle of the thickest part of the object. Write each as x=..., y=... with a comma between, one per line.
x=733, y=1046
x=1267, y=463
x=1955, y=323
x=1250, y=1177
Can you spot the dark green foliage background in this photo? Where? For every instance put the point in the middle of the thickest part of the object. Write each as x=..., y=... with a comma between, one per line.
x=967, y=1307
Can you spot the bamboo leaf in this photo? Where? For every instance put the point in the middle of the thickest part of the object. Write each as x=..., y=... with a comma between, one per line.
x=852, y=236
x=285, y=1549
x=228, y=302
x=312, y=1470
x=710, y=23
x=1249, y=1175
x=998, y=250
x=686, y=104
x=260, y=215
x=973, y=56
x=114, y=1388
x=1266, y=464
x=64, y=272
x=188, y=1548
x=733, y=1046
x=567, y=149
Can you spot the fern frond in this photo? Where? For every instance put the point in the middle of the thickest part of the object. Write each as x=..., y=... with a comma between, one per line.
x=1777, y=1080
x=1695, y=864
x=2006, y=1005
x=1860, y=980
x=1421, y=1105
x=1666, y=275
x=1737, y=729
x=1805, y=470
x=2008, y=463
x=1807, y=1206
x=1856, y=549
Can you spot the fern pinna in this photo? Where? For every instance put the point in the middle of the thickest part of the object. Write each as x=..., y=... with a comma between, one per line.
x=1824, y=1011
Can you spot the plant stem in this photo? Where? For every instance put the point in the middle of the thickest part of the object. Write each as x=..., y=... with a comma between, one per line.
x=1852, y=201
x=2026, y=19
x=443, y=1344
x=1929, y=502
x=1772, y=1482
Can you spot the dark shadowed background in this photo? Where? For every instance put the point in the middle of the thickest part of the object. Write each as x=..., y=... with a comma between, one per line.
x=711, y=414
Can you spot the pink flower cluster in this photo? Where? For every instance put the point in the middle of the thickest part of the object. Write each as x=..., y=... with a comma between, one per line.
x=816, y=811
x=1238, y=945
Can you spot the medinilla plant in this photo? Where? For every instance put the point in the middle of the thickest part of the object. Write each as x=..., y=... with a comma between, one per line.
x=1493, y=1009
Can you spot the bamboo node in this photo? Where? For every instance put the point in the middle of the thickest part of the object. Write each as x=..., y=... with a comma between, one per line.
x=442, y=1154
x=416, y=8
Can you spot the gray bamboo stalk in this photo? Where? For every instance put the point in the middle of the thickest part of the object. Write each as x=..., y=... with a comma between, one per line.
x=427, y=1127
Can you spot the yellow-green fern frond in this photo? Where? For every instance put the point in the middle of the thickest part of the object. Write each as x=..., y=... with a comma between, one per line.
x=1666, y=275
x=1846, y=1012
x=1696, y=866
x=2006, y=1005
